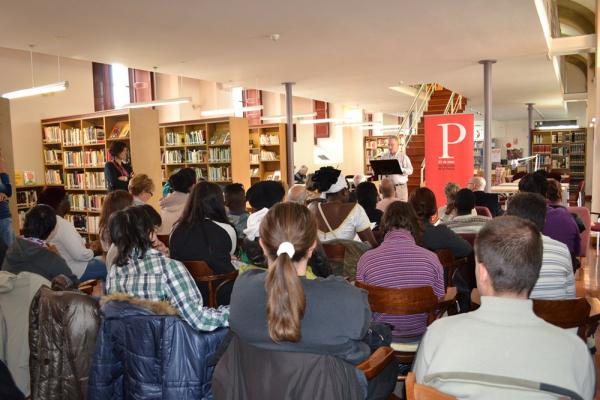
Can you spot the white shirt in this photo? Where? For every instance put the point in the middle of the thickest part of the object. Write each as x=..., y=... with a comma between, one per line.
x=356, y=221
x=405, y=164
x=70, y=246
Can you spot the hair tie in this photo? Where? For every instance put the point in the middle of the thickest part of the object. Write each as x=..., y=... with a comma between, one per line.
x=286, y=247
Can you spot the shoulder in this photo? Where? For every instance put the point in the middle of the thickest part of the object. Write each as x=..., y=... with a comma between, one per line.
x=336, y=288
x=226, y=227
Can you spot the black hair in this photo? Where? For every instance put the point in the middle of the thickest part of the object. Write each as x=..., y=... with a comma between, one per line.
x=39, y=222
x=402, y=215
x=534, y=183
x=265, y=194
x=464, y=201
x=366, y=195
x=116, y=148
x=130, y=231
x=52, y=196
x=424, y=202
x=182, y=180
x=529, y=206
x=152, y=214
x=235, y=197
x=325, y=177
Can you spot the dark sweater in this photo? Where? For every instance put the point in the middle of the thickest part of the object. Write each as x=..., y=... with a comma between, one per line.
x=24, y=255
x=6, y=188
x=441, y=237
x=336, y=317
x=112, y=174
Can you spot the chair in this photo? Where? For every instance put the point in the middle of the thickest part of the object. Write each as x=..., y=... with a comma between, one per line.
x=518, y=176
x=568, y=313
x=202, y=273
x=483, y=211
x=416, y=391
x=335, y=252
x=376, y=362
x=469, y=237
x=584, y=214
x=88, y=286
x=164, y=239
x=596, y=229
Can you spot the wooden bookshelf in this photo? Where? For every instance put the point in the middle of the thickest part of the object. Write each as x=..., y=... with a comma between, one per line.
x=215, y=148
x=75, y=149
x=374, y=146
x=268, y=154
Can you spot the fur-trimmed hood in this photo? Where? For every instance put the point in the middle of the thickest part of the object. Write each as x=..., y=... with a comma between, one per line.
x=156, y=307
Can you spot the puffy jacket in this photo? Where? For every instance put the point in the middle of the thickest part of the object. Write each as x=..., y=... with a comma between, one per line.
x=142, y=355
x=62, y=336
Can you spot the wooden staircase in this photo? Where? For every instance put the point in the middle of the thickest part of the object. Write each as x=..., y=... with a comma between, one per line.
x=416, y=147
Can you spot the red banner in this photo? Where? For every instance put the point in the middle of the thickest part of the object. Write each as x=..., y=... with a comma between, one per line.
x=448, y=152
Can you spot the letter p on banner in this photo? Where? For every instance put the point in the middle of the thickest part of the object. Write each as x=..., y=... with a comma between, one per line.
x=448, y=152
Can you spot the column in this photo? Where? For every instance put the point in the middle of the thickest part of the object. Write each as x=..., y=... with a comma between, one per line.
x=289, y=100
x=487, y=142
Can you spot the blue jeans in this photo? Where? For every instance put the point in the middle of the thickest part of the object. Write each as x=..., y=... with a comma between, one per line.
x=96, y=269
x=6, y=231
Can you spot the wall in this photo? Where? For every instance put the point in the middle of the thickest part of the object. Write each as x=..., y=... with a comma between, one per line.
x=511, y=131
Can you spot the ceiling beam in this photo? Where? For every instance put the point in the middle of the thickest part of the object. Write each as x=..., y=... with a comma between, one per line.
x=572, y=45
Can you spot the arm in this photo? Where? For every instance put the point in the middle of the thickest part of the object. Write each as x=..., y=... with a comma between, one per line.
x=363, y=226
x=7, y=190
x=110, y=174
x=367, y=236
x=407, y=167
x=58, y=266
x=73, y=244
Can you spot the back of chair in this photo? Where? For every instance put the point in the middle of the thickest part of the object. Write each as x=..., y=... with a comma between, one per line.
x=164, y=239
x=586, y=217
x=202, y=273
x=469, y=237
x=446, y=258
x=570, y=313
x=483, y=211
x=416, y=391
x=335, y=251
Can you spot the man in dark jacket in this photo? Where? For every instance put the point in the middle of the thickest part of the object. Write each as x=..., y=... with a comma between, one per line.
x=31, y=253
x=483, y=199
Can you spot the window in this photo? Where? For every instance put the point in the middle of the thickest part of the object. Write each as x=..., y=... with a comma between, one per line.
x=237, y=101
x=120, y=85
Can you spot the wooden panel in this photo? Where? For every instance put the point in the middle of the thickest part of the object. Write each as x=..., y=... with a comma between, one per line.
x=240, y=157
x=322, y=110
x=102, y=87
x=253, y=97
x=6, y=144
x=140, y=85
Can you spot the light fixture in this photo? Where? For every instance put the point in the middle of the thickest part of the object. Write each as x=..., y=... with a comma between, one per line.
x=555, y=127
x=368, y=125
x=282, y=117
x=227, y=111
x=37, y=90
x=156, y=103
x=321, y=121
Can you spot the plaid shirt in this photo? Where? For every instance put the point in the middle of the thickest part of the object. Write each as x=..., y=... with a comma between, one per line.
x=156, y=277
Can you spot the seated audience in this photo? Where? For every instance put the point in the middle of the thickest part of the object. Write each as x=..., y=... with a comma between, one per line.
x=297, y=194
x=556, y=280
x=300, y=175
x=261, y=196
x=235, y=201
x=491, y=351
x=483, y=199
x=141, y=188
x=337, y=218
x=388, y=194
x=146, y=273
x=31, y=252
x=171, y=206
x=465, y=221
x=68, y=242
x=448, y=211
x=436, y=237
x=113, y=202
x=399, y=262
x=366, y=196
x=555, y=200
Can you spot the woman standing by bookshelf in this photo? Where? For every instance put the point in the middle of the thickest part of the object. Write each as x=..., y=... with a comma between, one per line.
x=118, y=172
x=7, y=235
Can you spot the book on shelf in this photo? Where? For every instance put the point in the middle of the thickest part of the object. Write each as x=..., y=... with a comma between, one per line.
x=79, y=221
x=196, y=156
x=120, y=130
x=275, y=176
x=219, y=173
x=73, y=159
x=199, y=173
x=94, y=180
x=26, y=198
x=93, y=224
x=74, y=180
x=220, y=138
x=172, y=157
x=93, y=135
x=95, y=158
x=174, y=138
x=53, y=156
x=52, y=134
x=254, y=158
x=219, y=154
x=53, y=177
x=269, y=140
x=254, y=173
x=268, y=156
x=28, y=177
x=72, y=137
x=194, y=138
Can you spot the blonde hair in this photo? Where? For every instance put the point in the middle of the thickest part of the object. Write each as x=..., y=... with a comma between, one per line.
x=141, y=183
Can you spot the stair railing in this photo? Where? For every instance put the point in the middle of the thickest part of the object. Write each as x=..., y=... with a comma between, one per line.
x=419, y=105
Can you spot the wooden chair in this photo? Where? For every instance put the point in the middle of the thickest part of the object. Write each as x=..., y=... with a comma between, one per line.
x=88, y=286
x=586, y=217
x=416, y=391
x=483, y=211
x=335, y=252
x=450, y=264
x=569, y=313
x=376, y=362
x=469, y=237
x=164, y=239
x=202, y=273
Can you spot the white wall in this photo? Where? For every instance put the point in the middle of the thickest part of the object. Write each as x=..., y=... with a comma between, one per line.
x=511, y=131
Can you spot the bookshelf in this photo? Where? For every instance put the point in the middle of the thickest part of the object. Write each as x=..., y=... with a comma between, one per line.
x=75, y=150
x=26, y=196
x=562, y=149
x=374, y=146
x=268, y=156
x=215, y=148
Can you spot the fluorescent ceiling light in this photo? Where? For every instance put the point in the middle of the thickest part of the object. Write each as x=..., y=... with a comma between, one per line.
x=36, y=90
x=281, y=117
x=227, y=111
x=368, y=125
x=156, y=103
x=321, y=121
x=555, y=127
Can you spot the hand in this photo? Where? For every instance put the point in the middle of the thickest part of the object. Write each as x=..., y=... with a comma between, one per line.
x=3, y=197
x=122, y=178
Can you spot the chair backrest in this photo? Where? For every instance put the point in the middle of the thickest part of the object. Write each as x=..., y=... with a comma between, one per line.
x=483, y=211
x=586, y=217
x=198, y=269
x=447, y=260
x=202, y=273
x=335, y=251
x=469, y=237
x=164, y=239
x=416, y=391
x=569, y=313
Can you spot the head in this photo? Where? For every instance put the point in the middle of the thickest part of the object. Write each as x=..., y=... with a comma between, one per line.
x=554, y=192
x=235, y=197
x=142, y=187
x=401, y=215
x=423, y=202
x=55, y=197
x=310, y=183
x=332, y=183
x=118, y=151
x=476, y=184
x=464, y=202
x=450, y=191
x=294, y=225
x=387, y=188
x=534, y=183
x=183, y=180
x=357, y=179
x=393, y=144
x=153, y=215
x=131, y=231
x=508, y=257
x=529, y=206
x=265, y=194
x=39, y=222
x=205, y=201
x=297, y=194
x=113, y=202
x=303, y=170
x=366, y=195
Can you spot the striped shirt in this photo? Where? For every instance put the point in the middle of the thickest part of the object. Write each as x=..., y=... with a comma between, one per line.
x=399, y=263
x=156, y=277
x=467, y=223
x=556, y=279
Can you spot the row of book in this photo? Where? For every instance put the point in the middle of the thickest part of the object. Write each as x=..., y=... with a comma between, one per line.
x=53, y=156
x=72, y=137
x=269, y=140
x=84, y=223
x=219, y=154
x=373, y=144
x=26, y=197
x=196, y=156
x=86, y=202
x=219, y=173
x=53, y=177
x=220, y=138
x=88, y=158
x=93, y=135
x=52, y=134
x=85, y=180
x=268, y=156
x=193, y=138
x=542, y=148
x=254, y=158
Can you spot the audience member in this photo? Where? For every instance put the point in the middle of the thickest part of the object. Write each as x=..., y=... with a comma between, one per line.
x=483, y=199
x=494, y=351
x=465, y=221
x=399, y=262
x=68, y=241
x=366, y=196
x=337, y=218
x=535, y=182
x=297, y=194
x=235, y=201
x=142, y=189
x=261, y=196
x=157, y=223
x=556, y=280
x=300, y=175
x=448, y=211
x=7, y=234
x=113, y=202
x=146, y=273
x=118, y=171
x=32, y=253
x=388, y=194
x=555, y=200
x=171, y=206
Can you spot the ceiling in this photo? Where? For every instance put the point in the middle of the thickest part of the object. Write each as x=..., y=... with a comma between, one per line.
x=343, y=51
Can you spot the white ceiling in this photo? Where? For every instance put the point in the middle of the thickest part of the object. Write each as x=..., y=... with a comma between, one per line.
x=343, y=51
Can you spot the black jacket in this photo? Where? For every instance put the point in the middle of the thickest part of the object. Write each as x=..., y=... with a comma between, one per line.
x=112, y=174
x=489, y=200
x=441, y=237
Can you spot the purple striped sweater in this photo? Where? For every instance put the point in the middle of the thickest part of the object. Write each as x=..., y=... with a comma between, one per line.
x=399, y=263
